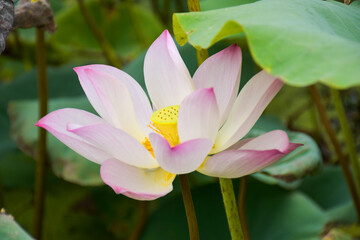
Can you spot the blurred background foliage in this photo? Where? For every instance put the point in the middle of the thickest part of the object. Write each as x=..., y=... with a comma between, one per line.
x=303, y=196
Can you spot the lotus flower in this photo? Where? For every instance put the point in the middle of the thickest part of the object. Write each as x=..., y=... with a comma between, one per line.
x=193, y=124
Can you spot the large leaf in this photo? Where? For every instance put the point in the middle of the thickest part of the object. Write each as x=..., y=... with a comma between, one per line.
x=214, y=4
x=330, y=191
x=10, y=230
x=301, y=41
x=64, y=162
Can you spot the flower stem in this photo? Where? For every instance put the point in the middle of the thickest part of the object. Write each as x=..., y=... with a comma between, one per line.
x=349, y=139
x=109, y=52
x=201, y=54
x=41, y=147
x=193, y=5
x=332, y=135
x=232, y=214
x=2, y=204
x=189, y=207
x=241, y=204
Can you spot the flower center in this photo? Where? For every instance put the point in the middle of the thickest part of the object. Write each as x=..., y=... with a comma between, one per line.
x=164, y=122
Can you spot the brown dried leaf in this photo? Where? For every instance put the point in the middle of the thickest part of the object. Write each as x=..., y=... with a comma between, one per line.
x=6, y=20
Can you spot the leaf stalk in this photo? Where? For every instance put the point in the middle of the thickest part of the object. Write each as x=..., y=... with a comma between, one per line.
x=189, y=208
x=40, y=170
x=232, y=213
x=339, y=152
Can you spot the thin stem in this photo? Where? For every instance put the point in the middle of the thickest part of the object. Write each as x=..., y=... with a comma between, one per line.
x=189, y=208
x=2, y=204
x=232, y=214
x=193, y=5
x=201, y=54
x=349, y=139
x=41, y=147
x=144, y=213
x=241, y=204
x=109, y=52
x=332, y=135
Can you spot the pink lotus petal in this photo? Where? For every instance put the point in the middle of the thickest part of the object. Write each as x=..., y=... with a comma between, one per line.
x=116, y=143
x=166, y=77
x=222, y=72
x=56, y=123
x=136, y=183
x=251, y=102
x=117, y=97
x=276, y=139
x=180, y=159
x=251, y=157
x=198, y=116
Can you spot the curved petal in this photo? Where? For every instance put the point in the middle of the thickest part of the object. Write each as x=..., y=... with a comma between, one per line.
x=167, y=79
x=198, y=116
x=136, y=183
x=117, y=97
x=56, y=123
x=180, y=159
x=251, y=102
x=273, y=140
x=222, y=72
x=253, y=156
x=116, y=143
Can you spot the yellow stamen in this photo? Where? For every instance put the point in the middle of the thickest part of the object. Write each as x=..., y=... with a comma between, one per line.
x=164, y=122
x=147, y=145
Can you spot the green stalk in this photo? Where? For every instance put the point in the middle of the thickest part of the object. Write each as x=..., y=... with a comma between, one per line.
x=41, y=147
x=109, y=52
x=232, y=214
x=332, y=135
x=189, y=208
x=349, y=139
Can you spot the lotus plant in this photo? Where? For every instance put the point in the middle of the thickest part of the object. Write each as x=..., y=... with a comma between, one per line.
x=193, y=123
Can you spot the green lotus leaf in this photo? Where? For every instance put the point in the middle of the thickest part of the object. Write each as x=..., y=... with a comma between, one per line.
x=301, y=41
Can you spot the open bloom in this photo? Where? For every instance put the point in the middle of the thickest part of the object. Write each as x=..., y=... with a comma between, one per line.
x=193, y=124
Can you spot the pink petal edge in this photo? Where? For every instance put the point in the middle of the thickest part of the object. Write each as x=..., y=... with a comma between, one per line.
x=136, y=183
x=182, y=158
